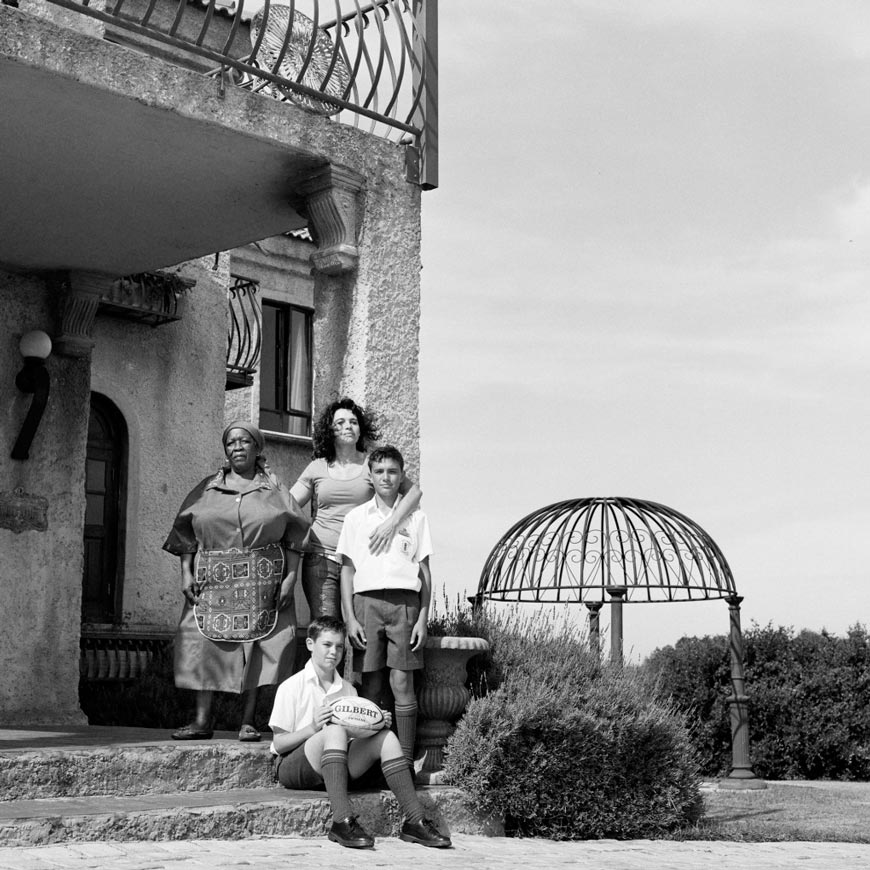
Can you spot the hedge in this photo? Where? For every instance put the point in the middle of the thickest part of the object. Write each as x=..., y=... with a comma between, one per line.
x=809, y=700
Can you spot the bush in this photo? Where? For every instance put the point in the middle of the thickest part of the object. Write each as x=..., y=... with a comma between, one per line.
x=695, y=675
x=562, y=748
x=454, y=620
x=809, y=700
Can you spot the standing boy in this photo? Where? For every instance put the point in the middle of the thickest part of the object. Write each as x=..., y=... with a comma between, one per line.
x=313, y=753
x=385, y=597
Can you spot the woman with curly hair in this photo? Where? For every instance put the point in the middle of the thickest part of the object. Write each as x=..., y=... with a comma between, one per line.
x=336, y=480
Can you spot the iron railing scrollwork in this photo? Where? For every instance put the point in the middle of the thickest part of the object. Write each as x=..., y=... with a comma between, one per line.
x=119, y=655
x=372, y=64
x=577, y=550
x=244, y=332
x=153, y=298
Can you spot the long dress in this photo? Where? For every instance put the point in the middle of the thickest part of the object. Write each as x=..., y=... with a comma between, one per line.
x=217, y=515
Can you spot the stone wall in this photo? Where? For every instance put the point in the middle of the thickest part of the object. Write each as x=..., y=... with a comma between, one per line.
x=367, y=323
x=168, y=382
x=41, y=571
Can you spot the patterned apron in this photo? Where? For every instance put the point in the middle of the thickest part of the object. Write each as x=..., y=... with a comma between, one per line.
x=238, y=597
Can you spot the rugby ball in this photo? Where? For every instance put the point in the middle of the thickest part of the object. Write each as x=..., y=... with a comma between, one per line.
x=358, y=716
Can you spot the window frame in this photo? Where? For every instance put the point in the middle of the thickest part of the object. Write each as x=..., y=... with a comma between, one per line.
x=282, y=372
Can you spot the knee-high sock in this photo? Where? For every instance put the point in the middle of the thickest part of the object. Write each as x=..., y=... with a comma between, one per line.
x=333, y=769
x=398, y=776
x=406, y=728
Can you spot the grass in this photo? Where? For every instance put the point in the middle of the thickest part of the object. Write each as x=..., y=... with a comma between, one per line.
x=815, y=811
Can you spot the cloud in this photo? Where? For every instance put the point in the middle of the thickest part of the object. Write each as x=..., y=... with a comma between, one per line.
x=843, y=24
x=647, y=274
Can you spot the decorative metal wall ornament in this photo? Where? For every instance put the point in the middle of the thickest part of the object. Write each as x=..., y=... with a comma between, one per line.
x=574, y=551
x=288, y=44
x=22, y=512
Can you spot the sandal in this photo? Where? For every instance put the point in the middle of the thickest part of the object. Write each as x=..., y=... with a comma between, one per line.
x=249, y=734
x=192, y=732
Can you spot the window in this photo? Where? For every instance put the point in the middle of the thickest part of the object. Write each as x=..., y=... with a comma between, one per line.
x=285, y=369
x=105, y=487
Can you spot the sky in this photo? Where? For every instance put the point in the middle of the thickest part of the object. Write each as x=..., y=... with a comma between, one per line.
x=646, y=273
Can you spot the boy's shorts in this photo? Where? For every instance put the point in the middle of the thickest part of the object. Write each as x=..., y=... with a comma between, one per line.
x=387, y=617
x=294, y=770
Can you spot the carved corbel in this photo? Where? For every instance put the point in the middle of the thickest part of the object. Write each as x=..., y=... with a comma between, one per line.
x=334, y=210
x=80, y=298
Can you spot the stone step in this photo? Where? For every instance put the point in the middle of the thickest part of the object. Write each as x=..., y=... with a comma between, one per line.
x=231, y=814
x=42, y=763
x=89, y=783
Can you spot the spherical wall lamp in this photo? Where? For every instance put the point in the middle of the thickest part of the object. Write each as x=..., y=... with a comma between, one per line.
x=35, y=344
x=33, y=379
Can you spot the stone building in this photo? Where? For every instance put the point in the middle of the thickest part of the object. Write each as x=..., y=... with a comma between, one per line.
x=204, y=231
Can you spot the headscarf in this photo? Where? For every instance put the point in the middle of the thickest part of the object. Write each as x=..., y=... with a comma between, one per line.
x=261, y=463
x=298, y=520
x=250, y=428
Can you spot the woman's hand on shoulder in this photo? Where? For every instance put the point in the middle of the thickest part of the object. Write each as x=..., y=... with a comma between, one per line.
x=381, y=538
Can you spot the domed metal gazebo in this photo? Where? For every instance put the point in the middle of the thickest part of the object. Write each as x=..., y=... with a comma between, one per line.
x=592, y=551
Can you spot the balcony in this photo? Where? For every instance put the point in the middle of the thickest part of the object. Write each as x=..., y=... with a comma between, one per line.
x=186, y=127
x=153, y=298
x=244, y=330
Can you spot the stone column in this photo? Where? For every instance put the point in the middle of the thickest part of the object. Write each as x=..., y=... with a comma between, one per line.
x=41, y=569
x=367, y=306
x=594, y=609
x=616, y=593
x=332, y=202
x=742, y=775
x=80, y=294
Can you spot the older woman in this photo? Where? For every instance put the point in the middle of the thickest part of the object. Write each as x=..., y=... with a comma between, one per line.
x=239, y=535
x=337, y=480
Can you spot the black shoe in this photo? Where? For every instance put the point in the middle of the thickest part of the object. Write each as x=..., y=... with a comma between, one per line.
x=425, y=833
x=350, y=833
x=192, y=732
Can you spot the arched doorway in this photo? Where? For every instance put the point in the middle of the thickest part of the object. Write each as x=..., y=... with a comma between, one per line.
x=105, y=512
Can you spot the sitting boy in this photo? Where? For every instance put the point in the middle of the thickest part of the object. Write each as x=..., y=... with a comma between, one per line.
x=313, y=753
x=385, y=597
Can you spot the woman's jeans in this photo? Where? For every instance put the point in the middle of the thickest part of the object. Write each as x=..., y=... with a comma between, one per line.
x=321, y=583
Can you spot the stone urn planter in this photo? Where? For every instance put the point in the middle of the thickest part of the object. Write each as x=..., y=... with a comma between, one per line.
x=442, y=698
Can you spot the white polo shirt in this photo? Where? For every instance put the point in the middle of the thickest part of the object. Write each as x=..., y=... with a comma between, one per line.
x=398, y=566
x=299, y=697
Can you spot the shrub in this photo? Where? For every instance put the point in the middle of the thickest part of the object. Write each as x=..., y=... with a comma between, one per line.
x=454, y=620
x=809, y=700
x=695, y=675
x=562, y=748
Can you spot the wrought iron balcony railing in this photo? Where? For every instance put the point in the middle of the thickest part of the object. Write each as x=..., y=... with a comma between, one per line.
x=149, y=297
x=244, y=332
x=368, y=64
x=119, y=655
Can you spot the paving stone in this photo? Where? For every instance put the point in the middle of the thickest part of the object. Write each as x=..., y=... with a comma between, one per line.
x=469, y=853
